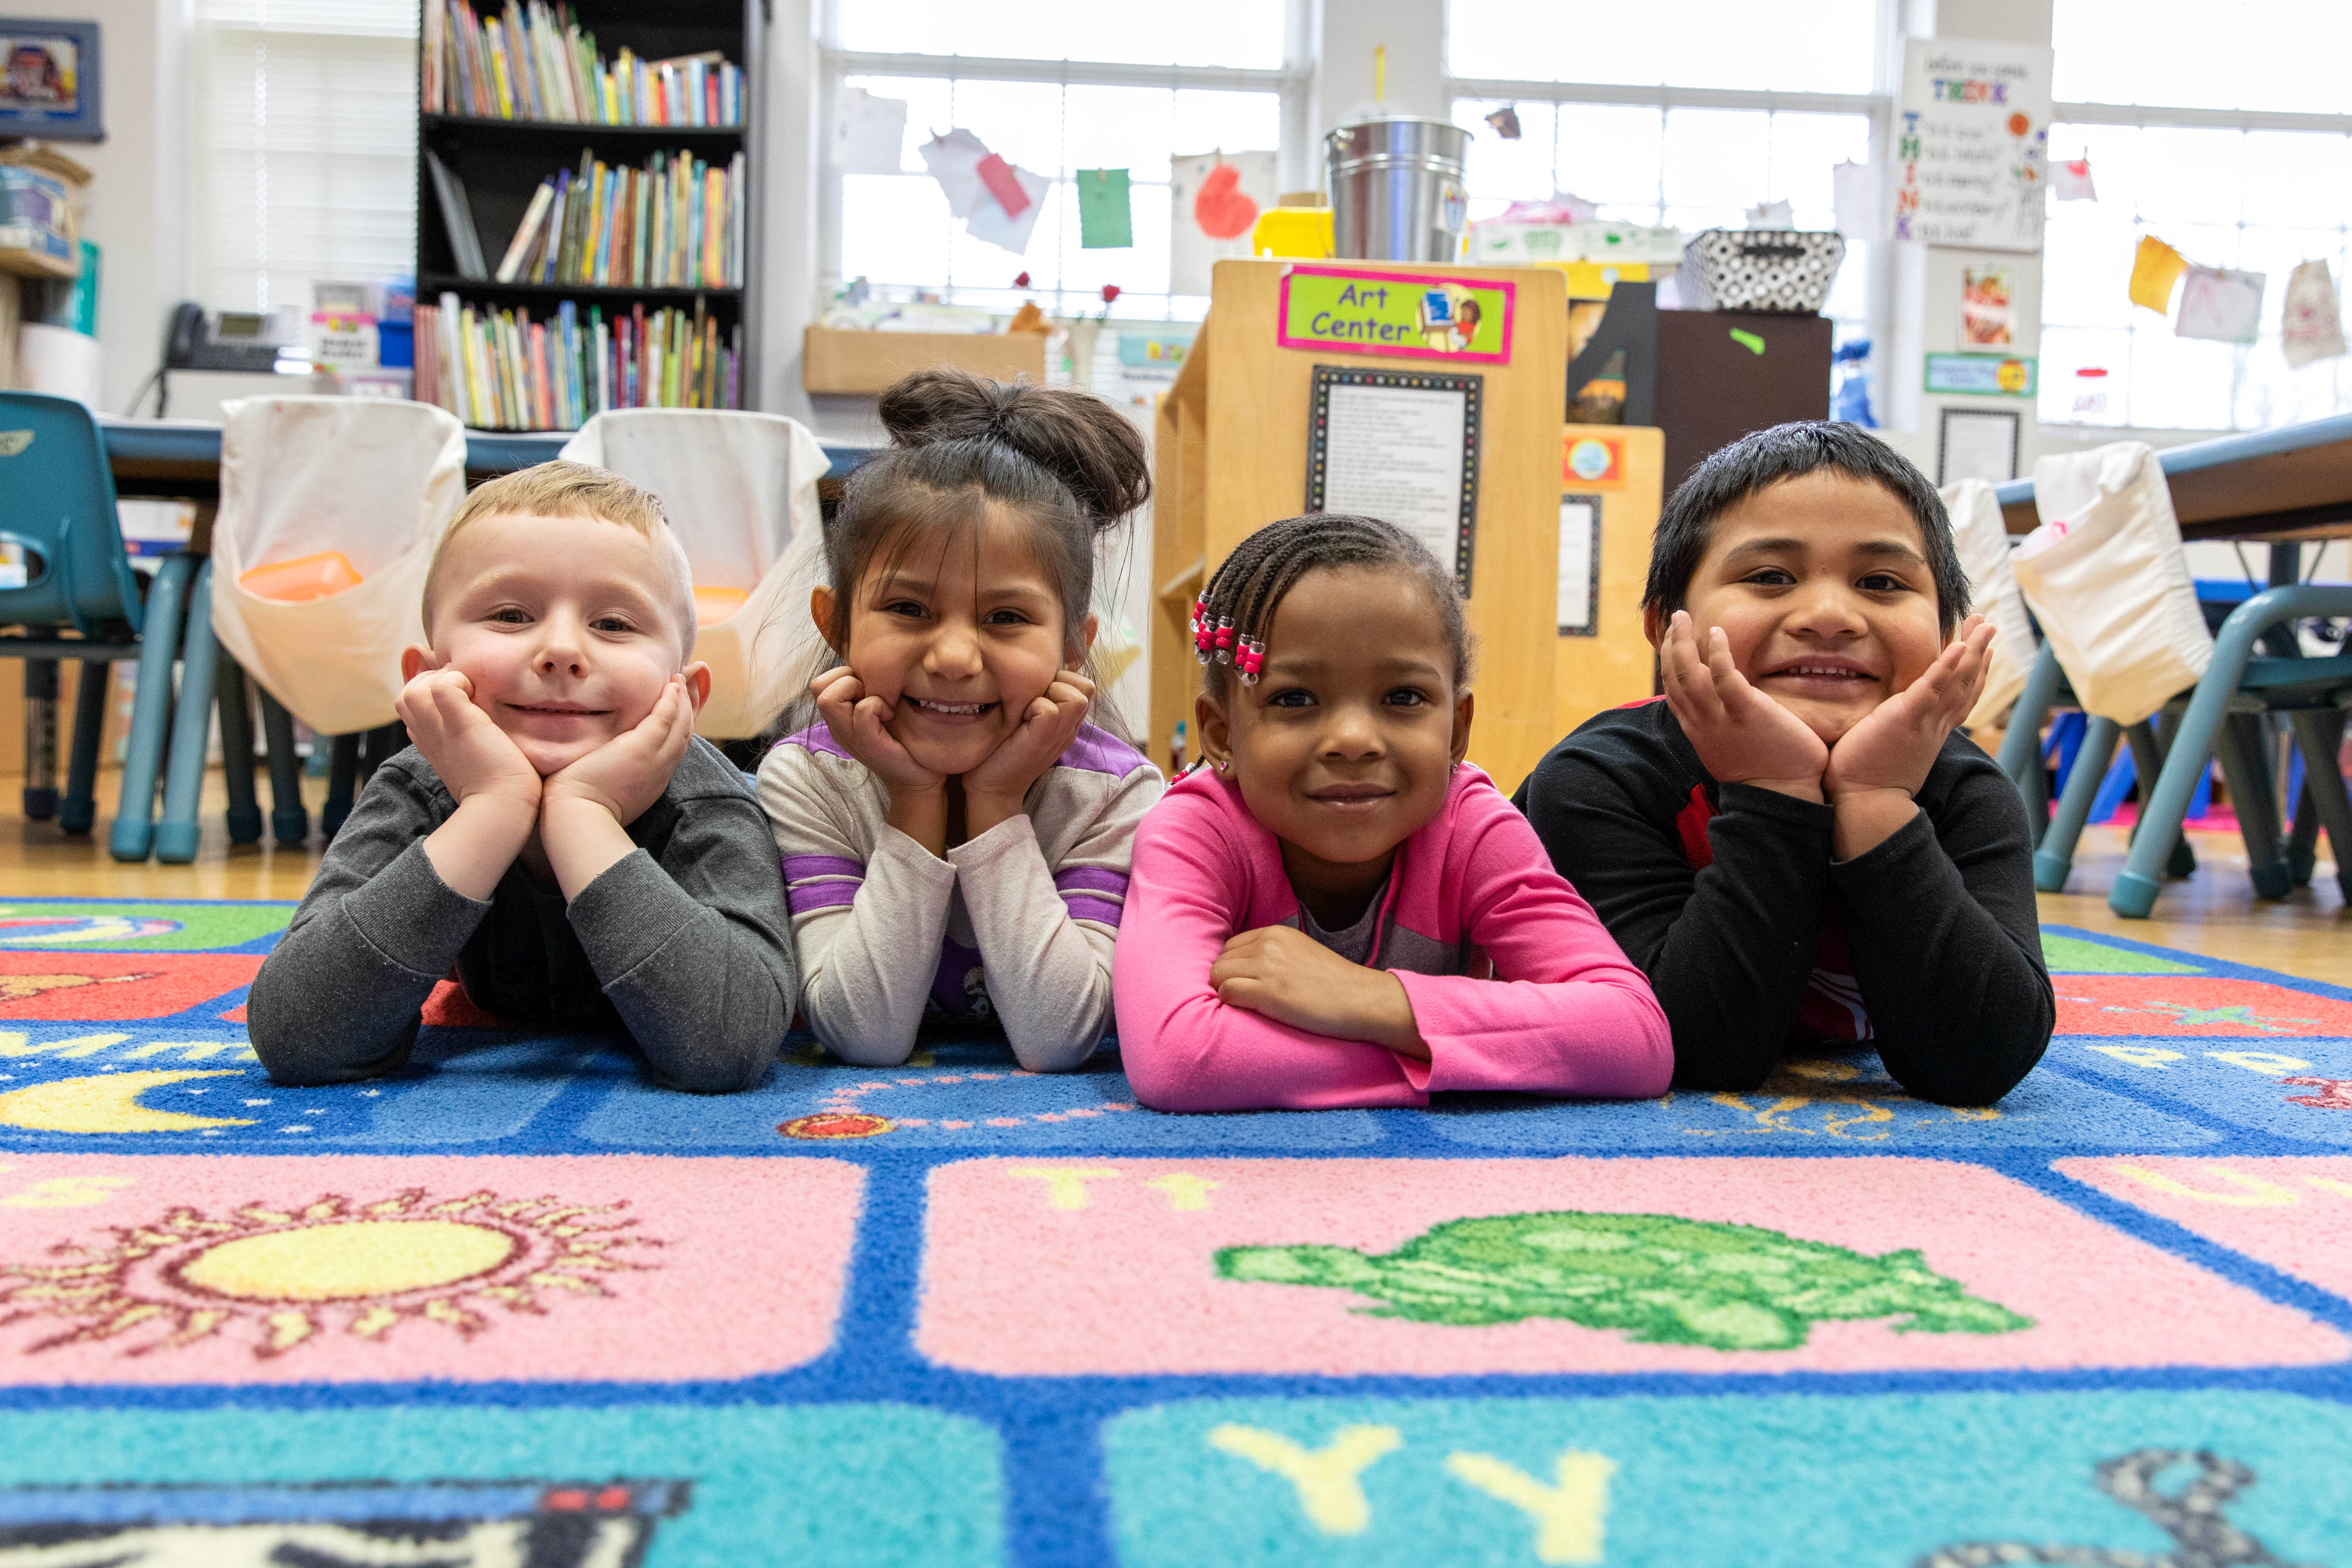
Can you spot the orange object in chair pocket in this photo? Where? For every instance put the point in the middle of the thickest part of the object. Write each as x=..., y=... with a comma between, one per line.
x=712, y=606
x=303, y=578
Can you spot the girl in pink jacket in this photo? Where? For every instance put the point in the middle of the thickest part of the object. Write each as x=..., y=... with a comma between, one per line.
x=1335, y=910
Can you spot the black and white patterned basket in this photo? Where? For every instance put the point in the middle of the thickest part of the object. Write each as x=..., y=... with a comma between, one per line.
x=1760, y=269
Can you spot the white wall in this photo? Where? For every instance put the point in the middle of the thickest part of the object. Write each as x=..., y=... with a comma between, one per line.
x=138, y=209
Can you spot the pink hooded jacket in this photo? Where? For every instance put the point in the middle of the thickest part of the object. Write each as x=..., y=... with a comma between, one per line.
x=1471, y=894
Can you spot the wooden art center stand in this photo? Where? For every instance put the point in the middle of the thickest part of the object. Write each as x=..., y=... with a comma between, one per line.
x=1232, y=456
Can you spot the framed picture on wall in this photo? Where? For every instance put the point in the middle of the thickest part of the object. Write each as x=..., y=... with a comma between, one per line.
x=1976, y=444
x=49, y=80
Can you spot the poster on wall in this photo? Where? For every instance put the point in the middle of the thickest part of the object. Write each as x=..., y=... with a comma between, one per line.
x=1403, y=446
x=1972, y=144
x=49, y=79
x=1984, y=306
x=1215, y=198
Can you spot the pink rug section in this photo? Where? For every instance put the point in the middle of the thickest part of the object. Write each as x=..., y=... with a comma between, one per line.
x=1118, y=1256
x=2176, y=1004
x=2293, y=1212
x=333, y=1269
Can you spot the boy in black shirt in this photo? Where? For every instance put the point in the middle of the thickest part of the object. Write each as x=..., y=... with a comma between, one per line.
x=1794, y=844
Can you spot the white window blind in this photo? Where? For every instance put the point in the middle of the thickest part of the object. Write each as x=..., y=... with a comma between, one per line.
x=306, y=147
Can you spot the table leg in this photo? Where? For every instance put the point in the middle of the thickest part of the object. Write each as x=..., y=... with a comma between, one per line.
x=80, y=809
x=40, y=738
x=177, y=836
x=151, y=709
x=290, y=819
x=237, y=752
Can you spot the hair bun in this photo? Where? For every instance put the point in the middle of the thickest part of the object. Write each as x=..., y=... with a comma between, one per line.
x=1093, y=448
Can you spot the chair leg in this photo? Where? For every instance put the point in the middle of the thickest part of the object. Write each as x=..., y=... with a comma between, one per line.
x=2020, y=743
x=2246, y=767
x=2321, y=736
x=79, y=811
x=290, y=819
x=151, y=709
x=40, y=738
x=2303, y=837
x=2147, y=761
x=236, y=751
x=177, y=836
x=343, y=776
x=2056, y=859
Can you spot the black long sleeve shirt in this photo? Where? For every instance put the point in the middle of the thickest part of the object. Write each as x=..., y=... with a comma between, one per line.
x=1925, y=947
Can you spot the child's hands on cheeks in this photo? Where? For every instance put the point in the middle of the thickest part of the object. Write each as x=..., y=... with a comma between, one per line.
x=495, y=786
x=994, y=791
x=628, y=772
x=471, y=753
x=1877, y=766
x=1293, y=979
x=862, y=725
x=1741, y=735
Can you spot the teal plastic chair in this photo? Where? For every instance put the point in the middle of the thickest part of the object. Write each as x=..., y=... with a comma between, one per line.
x=57, y=505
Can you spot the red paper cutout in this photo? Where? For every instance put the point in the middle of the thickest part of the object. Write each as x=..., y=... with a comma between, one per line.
x=997, y=176
x=1222, y=209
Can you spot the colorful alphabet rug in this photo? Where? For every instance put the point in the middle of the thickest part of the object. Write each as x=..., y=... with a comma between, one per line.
x=516, y=1307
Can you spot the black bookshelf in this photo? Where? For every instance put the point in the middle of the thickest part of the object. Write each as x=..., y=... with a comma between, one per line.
x=501, y=163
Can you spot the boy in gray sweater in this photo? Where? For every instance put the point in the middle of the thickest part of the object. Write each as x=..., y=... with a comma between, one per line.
x=556, y=832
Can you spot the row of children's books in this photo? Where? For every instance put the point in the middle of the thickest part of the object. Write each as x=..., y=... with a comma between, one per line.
x=534, y=63
x=677, y=222
x=500, y=370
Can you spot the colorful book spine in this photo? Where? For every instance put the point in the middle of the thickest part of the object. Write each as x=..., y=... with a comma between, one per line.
x=532, y=61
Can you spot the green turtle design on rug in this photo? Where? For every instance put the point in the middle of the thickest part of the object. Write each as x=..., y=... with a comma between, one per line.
x=1657, y=1278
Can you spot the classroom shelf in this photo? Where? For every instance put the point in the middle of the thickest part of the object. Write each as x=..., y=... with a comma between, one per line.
x=434, y=283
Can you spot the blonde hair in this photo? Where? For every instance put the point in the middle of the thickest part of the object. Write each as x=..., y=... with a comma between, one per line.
x=561, y=489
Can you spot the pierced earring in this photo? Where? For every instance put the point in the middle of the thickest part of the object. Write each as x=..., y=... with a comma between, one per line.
x=1221, y=764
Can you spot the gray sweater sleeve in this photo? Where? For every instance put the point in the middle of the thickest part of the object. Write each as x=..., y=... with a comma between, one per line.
x=339, y=998
x=695, y=950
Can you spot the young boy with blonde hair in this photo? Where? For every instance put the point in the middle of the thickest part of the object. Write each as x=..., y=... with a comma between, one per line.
x=556, y=832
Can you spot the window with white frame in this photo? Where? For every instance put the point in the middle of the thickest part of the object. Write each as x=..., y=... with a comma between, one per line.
x=1069, y=86
x=2237, y=154
x=1688, y=115
x=306, y=147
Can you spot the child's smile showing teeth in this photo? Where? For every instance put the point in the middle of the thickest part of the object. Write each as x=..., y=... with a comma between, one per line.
x=948, y=710
x=1820, y=675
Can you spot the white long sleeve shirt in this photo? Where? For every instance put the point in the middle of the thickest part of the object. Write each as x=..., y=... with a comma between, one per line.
x=1018, y=922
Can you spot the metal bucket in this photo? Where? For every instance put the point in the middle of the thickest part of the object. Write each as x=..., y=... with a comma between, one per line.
x=1397, y=192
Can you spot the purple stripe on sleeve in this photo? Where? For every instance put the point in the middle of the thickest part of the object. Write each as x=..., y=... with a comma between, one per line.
x=1092, y=880
x=820, y=896
x=1101, y=911
x=796, y=867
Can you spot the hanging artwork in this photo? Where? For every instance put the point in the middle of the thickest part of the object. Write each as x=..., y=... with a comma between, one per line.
x=1971, y=136
x=869, y=134
x=998, y=202
x=2070, y=181
x=1216, y=198
x=2314, y=322
x=2220, y=304
x=1105, y=220
x=2156, y=267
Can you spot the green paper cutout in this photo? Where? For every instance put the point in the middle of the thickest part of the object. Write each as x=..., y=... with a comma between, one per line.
x=1659, y=1279
x=1105, y=221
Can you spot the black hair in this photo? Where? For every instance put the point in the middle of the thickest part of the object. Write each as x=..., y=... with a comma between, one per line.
x=1249, y=586
x=1765, y=457
x=1068, y=464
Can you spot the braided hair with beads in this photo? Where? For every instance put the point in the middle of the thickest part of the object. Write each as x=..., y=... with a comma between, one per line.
x=1230, y=616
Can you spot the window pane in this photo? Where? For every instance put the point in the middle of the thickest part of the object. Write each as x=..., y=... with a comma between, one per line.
x=896, y=232
x=2262, y=201
x=1237, y=33
x=1695, y=43
x=2280, y=54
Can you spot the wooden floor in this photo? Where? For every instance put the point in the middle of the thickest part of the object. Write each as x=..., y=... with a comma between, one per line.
x=2214, y=912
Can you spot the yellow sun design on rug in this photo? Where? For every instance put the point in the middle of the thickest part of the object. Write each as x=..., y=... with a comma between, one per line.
x=292, y=1274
